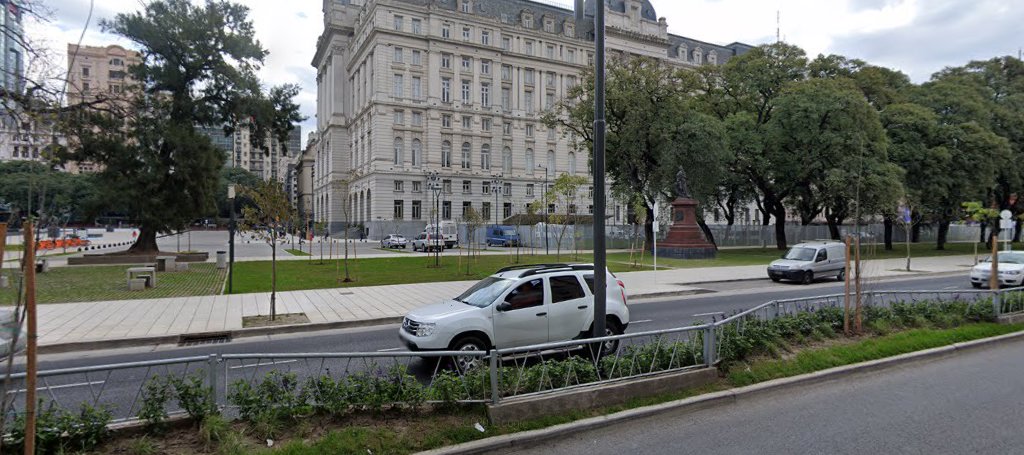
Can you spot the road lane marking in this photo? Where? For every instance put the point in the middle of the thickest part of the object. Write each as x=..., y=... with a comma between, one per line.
x=62, y=386
x=388, y=349
x=642, y=321
x=256, y=365
x=713, y=313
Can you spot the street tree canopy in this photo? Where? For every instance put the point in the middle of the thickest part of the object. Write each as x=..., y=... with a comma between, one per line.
x=198, y=69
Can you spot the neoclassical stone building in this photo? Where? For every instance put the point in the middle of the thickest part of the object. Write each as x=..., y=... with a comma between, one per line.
x=457, y=87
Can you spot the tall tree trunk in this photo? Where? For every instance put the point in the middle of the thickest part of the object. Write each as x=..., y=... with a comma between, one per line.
x=981, y=232
x=779, y=212
x=146, y=242
x=833, y=224
x=887, y=232
x=649, y=227
x=707, y=231
x=915, y=233
x=940, y=241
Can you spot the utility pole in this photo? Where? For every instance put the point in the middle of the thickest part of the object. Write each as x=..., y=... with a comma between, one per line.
x=231, y=238
x=600, y=276
x=544, y=198
x=30, y=356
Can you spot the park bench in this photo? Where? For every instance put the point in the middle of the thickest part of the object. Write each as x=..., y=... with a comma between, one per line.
x=166, y=263
x=147, y=273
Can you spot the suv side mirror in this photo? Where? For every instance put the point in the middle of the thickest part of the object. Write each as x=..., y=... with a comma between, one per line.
x=504, y=306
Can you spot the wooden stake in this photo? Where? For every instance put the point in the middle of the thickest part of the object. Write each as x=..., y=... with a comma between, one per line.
x=993, y=280
x=857, y=322
x=30, y=363
x=3, y=244
x=846, y=290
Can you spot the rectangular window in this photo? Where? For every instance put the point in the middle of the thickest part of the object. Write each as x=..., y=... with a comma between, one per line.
x=528, y=101
x=398, y=23
x=570, y=56
x=570, y=82
x=551, y=209
x=529, y=190
x=528, y=47
x=485, y=124
x=529, y=130
x=417, y=210
x=446, y=90
x=506, y=72
x=506, y=43
x=398, y=90
x=417, y=26
x=590, y=209
x=398, y=55
x=485, y=37
x=551, y=134
x=467, y=96
x=467, y=187
x=485, y=67
x=417, y=118
x=399, y=209
x=550, y=51
x=417, y=57
x=485, y=211
x=466, y=205
x=467, y=122
x=506, y=211
x=528, y=77
x=485, y=95
x=506, y=128
x=506, y=98
x=399, y=117
x=417, y=88
x=446, y=186
x=446, y=31
x=399, y=186
x=549, y=80
x=417, y=187
x=446, y=120
x=465, y=6
x=466, y=33
x=485, y=188
x=85, y=72
x=549, y=100
x=446, y=210
x=506, y=190
x=446, y=61
x=467, y=63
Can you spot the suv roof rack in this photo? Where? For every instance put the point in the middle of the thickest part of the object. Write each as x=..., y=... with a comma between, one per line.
x=534, y=269
x=528, y=266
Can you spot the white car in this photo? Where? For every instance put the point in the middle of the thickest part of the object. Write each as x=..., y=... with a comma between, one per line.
x=1011, y=270
x=518, y=306
x=393, y=241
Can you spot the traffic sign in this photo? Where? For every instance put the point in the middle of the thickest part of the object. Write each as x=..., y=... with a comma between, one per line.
x=1005, y=214
x=1005, y=224
x=905, y=213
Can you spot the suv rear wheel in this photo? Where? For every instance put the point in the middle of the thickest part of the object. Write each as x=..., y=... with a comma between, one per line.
x=611, y=328
x=467, y=343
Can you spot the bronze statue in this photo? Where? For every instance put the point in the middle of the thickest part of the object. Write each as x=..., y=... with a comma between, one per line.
x=682, y=190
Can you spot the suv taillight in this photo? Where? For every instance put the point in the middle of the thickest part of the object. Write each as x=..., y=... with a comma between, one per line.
x=622, y=289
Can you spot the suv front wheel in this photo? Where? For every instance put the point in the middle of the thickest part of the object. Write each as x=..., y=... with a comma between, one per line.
x=467, y=343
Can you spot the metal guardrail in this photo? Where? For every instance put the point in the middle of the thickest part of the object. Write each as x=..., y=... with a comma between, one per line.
x=500, y=374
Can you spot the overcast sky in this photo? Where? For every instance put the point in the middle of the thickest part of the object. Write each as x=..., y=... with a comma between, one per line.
x=918, y=37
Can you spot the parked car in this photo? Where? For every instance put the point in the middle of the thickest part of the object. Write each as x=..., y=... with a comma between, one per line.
x=518, y=306
x=806, y=261
x=393, y=241
x=502, y=236
x=428, y=242
x=1011, y=270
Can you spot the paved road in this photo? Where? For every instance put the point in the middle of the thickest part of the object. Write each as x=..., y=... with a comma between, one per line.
x=967, y=403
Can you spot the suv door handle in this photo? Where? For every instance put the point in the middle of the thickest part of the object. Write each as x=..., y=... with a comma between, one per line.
x=542, y=314
x=581, y=307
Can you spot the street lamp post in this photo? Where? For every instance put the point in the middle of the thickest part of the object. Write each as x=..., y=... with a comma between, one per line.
x=544, y=199
x=231, y=237
x=435, y=187
x=600, y=260
x=495, y=185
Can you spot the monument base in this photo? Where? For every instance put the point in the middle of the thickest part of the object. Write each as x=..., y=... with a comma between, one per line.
x=682, y=252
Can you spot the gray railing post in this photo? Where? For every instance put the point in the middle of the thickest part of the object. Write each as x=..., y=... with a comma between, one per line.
x=709, y=345
x=212, y=364
x=996, y=307
x=494, y=376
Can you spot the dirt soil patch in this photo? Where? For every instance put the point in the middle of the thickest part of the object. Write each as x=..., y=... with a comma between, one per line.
x=281, y=319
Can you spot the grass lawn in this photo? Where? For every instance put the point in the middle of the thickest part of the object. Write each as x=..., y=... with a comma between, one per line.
x=94, y=283
x=18, y=247
x=296, y=252
x=401, y=432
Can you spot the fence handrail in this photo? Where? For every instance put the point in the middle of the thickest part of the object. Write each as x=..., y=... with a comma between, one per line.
x=115, y=366
x=564, y=344
x=351, y=355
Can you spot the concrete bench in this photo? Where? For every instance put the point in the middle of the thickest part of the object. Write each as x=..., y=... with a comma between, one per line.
x=137, y=284
x=42, y=265
x=181, y=267
x=146, y=273
x=165, y=263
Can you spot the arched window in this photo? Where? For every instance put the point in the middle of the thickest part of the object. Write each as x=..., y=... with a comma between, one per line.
x=417, y=153
x=466, y=150
x=684, y=52
x=529, y=162
x=551, y=163
x=446, y=154
x=713, y=57
x=485, y=156
x=506, y=161
x=698, y=56
x=572, y=163
x=398, y=151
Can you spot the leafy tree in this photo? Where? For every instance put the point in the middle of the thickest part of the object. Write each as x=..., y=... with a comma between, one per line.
x=564, y=192
x=268, y=217
x=56, y=197
x=653, y=129
x=198, y=69
x=238, y=177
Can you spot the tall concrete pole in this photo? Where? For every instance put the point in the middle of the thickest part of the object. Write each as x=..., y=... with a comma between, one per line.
x=600, y=261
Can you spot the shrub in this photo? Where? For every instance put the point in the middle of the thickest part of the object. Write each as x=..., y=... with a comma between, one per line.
x=59, y=431
x=194, y=397
x=156, y=392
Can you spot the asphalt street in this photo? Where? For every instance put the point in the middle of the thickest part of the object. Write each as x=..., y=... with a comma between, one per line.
x=965, y=403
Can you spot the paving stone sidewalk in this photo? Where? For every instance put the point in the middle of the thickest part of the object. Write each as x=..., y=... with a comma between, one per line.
x=99, y=324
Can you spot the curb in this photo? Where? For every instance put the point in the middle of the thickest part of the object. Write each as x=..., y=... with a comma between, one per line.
x=530, y=438
x=59, y=348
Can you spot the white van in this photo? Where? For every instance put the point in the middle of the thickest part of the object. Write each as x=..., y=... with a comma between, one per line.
x=449, y=232
x=809, y=260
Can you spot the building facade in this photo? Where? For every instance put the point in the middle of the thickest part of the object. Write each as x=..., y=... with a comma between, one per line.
x=99, y=72
x=457, y=87
x=12, y=65
x=239, y=151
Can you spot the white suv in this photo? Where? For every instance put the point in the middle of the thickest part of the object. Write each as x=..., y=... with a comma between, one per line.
x=518, y=306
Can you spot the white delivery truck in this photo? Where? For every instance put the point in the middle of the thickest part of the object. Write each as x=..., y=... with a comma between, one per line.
x=448, y=230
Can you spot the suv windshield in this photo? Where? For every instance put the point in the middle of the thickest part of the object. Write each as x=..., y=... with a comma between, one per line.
x=508, y=233
x=484, y=292
x=800, y=254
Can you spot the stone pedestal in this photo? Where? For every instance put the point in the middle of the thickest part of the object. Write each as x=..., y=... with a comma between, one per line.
x=684, y=239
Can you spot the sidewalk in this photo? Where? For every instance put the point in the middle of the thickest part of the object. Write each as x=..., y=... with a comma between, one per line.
x=95, y=325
